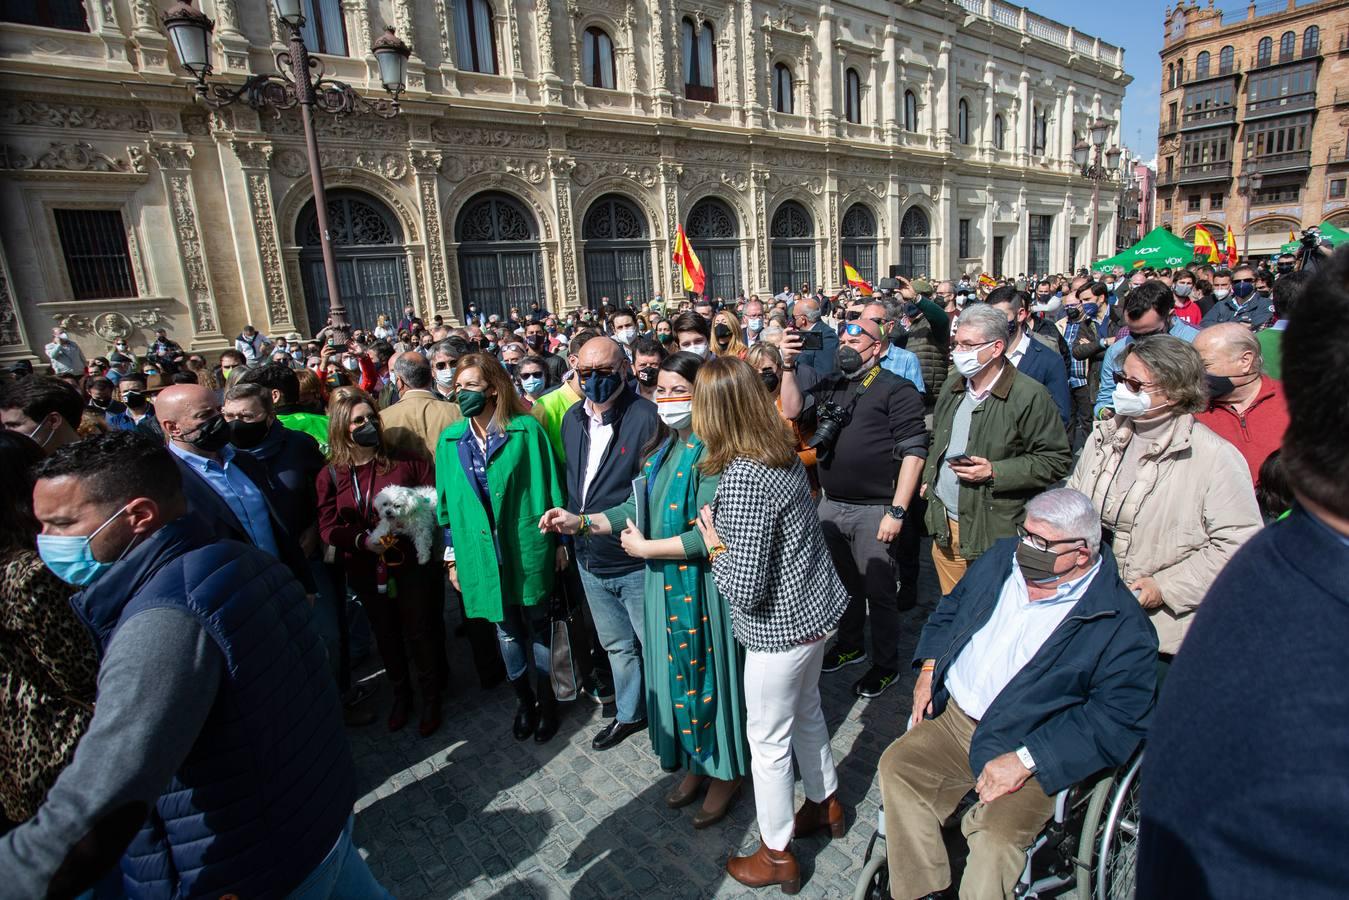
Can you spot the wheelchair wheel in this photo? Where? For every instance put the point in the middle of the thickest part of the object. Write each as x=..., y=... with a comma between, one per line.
x=874, y=882
x=1109, y=843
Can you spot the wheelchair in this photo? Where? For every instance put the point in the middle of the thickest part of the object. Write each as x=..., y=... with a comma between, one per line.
x=1087, y=851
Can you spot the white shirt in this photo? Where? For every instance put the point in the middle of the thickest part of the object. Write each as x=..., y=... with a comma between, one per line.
x=600, y=436
x=1014, y=633
x=1020, y=349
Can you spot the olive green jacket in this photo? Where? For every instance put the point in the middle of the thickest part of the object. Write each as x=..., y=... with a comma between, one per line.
x=1017, y=429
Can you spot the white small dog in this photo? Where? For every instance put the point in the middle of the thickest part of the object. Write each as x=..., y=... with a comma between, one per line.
x=410, y=512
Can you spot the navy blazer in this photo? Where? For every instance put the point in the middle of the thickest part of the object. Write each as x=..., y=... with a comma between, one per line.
x=1082, y=703
x=1046, y=367
x=203, y=499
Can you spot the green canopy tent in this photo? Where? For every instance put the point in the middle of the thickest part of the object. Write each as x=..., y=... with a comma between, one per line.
x=1336, y=236
x=1159, y=248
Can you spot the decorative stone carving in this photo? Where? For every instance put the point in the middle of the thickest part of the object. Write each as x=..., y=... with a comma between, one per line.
x=708, y=152
x=493, y=138
x=291, y=163
x=253, y=154
x=738, y=181
x=588, y=172
x=110, y=326
x=356, y=129
x=269, y=248
x=435, y=242
x=779, y=182
x=614, y=145
x=561, y=168
x=171, y=155
x=453, y=169
x=543, y=17
x=62, y=115
x=200, y=300
x=759, y=178
x=10, y=332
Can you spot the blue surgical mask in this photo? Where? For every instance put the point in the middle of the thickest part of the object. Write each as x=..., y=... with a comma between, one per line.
x=532, y=385
x=1242, y=289
x=71, y=558
x=1090, y=310
x=599, y=388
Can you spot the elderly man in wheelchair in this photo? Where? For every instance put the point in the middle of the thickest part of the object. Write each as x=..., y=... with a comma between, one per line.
x=1036, y=672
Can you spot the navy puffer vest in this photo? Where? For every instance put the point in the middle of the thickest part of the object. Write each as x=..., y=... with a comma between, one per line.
x=269, y=783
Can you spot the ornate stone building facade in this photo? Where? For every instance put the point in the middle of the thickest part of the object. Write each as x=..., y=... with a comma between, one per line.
x=545, y=153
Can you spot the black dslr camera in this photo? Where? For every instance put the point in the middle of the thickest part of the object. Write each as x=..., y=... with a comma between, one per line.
x=830, y=418
x=1311, y=238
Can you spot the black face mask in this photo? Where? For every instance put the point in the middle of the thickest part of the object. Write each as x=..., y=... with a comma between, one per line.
x=534, y=341
x=367, y=435
x=1074, y=313
x=1220, y=386
x=647, y=375
x=722, y=331
x=770, y=380
x=212, y=435
x=247, y=435
x=101, y=405
x=850, y=362
x=1284, y=268
x=134, y=399
x=1037, y=564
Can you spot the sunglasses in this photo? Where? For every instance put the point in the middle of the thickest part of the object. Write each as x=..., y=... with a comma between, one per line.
x=853, y=330
x=1132, y=383
x=443, y=365
x=586, y=373
x=853, y=316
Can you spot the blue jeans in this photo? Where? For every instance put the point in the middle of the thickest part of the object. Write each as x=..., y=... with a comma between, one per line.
x=616, y=605
x=525, y=625
x=342, y=875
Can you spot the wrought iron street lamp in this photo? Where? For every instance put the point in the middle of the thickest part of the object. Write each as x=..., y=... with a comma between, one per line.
x=1088, y=157
x=300, y=81
x=1248, y=186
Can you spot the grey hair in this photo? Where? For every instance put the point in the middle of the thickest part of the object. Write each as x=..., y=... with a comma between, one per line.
x=414, y=371
x=1071, y=514
x=1176, y=367
x=989, y=321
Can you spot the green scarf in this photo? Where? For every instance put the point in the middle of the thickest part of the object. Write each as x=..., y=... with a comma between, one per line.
x=692, y=669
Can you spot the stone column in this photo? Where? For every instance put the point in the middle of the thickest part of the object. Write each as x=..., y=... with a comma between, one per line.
x=175, y=165
x=444, y=21
x=357, y=14
x=669, y=190
x=230, y=38
x=942, y=229
x=759, y=232
x=988, y=220
x=945, y=88
x=990, y=96
x=662, y=45
x=875, y=99
x=1025, y=119
x=550, y=86
x=574, y=42
x=426, y=165
x=406, y=24
x=561, y=168
x=890, y=94
x=828, y=63
x=13, y=335
x=759, y=68
x=1068, y=120
x=255, y=158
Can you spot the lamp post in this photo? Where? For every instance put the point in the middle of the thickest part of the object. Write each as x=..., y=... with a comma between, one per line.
x=1247, y=186
x=300, y=81
x=1088, y=157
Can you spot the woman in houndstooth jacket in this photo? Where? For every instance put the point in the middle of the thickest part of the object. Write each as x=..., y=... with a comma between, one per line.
x=770, y=563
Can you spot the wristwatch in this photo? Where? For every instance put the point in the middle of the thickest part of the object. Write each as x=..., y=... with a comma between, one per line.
x=896, y=512
x=1023, y=754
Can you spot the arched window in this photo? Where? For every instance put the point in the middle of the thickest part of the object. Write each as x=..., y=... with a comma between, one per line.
x=782, y=89
x=714, y=233
x=914, y=241
x=475, y=36
x=500, y=260
x=1225, y=60
x=1311, y=41
x=1170, y=76
x=1286, y=43
x=910, y=111
x=859, y=241
x=999, y=133
x=617, y=251
x=852, y=101
x=1263, y=51
x=371, y=261
x=597, y=59
x=700, y=62
x=792, y=245
x=1201, y=65
x=963, y=121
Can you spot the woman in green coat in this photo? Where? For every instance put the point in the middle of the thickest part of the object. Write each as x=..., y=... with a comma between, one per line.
x=495, y=477
x=693, y=665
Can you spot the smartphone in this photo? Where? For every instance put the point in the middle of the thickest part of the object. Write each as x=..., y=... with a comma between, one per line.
x=811, y=340
x=960, y=459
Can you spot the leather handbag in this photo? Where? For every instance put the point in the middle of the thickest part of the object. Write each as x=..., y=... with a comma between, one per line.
x=562, y=661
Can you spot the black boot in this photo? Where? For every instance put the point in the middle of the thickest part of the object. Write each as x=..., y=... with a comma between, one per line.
x=525, y=717
x=547, y=710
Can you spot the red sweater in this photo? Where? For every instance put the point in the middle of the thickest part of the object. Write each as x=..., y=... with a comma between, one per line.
x=344, y=524
x=1259, y=432
x=1190, y=313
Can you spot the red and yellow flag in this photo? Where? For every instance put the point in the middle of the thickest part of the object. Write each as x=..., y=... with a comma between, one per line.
x=689, y=266
x=856, y=280
x=1231, y=248
x=988, y=280
x=1203, y=242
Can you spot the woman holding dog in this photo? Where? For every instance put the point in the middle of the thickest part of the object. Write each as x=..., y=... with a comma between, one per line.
x=401, y=597
x=495, y=477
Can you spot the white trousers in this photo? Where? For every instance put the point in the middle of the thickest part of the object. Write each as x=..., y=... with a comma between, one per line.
x=782, y=697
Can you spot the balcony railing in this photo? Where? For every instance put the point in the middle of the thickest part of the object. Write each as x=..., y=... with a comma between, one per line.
x=1022, y=20
x=1214, y=171
x=1277, y=106
x=1212, y=73
x=1277, y=196
x=1168, y=126
x=1210, y=117
x=1278, y=162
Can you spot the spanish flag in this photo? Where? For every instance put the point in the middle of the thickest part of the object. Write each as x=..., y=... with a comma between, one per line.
x=689, y=266
x=1203, y=242
x=988, y=281
x=856, y=280
x=1231, y=248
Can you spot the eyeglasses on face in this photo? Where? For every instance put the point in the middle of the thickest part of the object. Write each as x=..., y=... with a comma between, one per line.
x=967, y=346
x=1039, y=542
x=1132, y=383
x=599, y=370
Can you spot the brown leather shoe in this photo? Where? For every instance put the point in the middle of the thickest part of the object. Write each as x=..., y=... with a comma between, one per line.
x=729, y=791
x=686, y=791
x=828, y=813
x=766, y=867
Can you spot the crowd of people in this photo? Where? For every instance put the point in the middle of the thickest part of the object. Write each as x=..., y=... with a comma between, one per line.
x=691, y=511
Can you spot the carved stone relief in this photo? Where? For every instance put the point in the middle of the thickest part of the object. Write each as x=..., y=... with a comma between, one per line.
x=493, y=138
x=63, y=115
x=77, y=156
x=427, y=163
x=588, y=172
x=357, y=128
x=562, y=168
x=613, y=145
x=110, y=326
x=10, y=333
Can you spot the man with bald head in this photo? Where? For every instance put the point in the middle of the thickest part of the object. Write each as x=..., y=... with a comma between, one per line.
x=868, y=475
x=1246, y=407
x=807, y=313
x=228, y=488
x=602, y=438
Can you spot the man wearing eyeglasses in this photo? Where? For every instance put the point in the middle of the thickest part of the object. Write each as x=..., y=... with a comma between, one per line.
x=1035, y=673
x=1245, y=305
x=1147, y=311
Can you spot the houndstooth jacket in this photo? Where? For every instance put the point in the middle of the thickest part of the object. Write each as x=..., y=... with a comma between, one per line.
x=776, y=574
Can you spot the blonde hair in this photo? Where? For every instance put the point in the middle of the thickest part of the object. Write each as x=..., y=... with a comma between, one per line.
x=761, y=353
x=735, y=417
x=341, y=448
x=509, y=405
x=736, y=345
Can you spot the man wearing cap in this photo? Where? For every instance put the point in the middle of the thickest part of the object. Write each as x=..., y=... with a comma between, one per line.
x=119, y=365
x=163, y=348
x=66, y=356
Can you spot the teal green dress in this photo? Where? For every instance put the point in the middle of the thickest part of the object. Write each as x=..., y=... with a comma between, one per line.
x=685, y=614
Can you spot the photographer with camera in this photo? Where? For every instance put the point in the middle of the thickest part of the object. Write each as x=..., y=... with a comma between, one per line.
x=870, y=440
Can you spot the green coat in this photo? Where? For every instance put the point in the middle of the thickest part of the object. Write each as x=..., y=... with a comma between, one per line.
x=1018, y=430
x=515, y=568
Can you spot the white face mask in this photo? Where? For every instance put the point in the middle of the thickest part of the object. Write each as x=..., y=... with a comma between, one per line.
x=677, y=412
x=445, y=377
x=967, y=361
x=350, y=365
x=625, y=336
x=756, y=324
x=1129, y=404
x=1221, y=293
x=696, y=349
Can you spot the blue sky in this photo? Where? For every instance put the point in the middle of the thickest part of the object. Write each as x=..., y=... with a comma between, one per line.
x=1138, y=29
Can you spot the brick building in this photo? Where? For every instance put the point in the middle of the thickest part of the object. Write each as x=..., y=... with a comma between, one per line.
x=1254, y=119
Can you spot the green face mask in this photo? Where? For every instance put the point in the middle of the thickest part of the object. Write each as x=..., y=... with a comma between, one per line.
x=471, y=402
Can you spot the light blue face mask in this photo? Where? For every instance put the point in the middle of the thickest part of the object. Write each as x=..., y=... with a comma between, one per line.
x=531, y=385
x=71, y=558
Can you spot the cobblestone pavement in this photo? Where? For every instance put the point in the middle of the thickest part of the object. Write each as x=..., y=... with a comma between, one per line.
x=470, y=812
